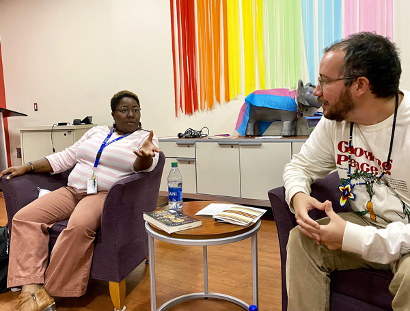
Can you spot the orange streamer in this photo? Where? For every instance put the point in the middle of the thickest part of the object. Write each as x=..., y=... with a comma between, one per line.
x=201, y=51
x=191, y=47
x=216, y=29
x=209, y=69
x=174, y=57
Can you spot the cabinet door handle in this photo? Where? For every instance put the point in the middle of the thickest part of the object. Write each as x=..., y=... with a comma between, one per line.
x=186, y=159
x=251, y=144
x=227, y=143
x=185, y=143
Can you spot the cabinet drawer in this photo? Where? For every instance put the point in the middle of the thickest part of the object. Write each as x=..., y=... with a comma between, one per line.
x=183, y=149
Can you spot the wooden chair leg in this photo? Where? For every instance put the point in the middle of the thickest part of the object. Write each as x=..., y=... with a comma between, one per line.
x=117, y=293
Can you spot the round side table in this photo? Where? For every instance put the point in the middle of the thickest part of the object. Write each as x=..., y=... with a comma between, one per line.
x=209, y=233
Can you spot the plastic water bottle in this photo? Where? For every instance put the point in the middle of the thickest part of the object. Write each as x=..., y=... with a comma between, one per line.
x=253, y=308
x=174, y=187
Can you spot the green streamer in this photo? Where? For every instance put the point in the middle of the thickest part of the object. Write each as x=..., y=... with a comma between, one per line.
x=285, y=43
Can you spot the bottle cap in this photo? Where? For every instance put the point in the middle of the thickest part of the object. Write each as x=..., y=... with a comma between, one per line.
x=174, y=164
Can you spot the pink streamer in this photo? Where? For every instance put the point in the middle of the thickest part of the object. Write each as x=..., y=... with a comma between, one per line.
x=277, y=92
x=241, y=116
x=350, y=17
x=369, y=15
x=389, y=18
x=374, y=15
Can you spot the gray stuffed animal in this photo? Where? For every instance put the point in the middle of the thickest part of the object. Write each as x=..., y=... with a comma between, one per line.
x=305, y=100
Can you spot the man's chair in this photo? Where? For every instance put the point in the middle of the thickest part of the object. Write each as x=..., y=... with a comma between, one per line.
x=121, y=243
x=353, y=290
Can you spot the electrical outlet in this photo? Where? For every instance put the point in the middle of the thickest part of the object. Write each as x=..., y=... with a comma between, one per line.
x=18, y=153
x=35, y=107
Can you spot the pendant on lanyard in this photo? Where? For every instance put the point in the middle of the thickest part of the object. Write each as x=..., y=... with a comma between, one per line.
x=92, y=182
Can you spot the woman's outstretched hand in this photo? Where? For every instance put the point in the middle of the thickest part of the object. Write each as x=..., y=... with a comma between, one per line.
x=147, y=148
x=145, y=154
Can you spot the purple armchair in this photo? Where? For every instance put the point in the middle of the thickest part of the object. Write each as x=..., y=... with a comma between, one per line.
x=121, y=243
x=353, y=290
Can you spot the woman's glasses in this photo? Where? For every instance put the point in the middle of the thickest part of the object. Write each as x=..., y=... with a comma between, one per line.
x=125, y=110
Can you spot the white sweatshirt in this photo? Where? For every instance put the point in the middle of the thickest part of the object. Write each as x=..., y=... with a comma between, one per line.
x=327, y=149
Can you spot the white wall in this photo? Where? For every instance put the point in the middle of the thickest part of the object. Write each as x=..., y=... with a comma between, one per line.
x=71, y=56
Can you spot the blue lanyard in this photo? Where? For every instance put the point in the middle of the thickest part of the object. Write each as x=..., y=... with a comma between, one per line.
x=105, y=144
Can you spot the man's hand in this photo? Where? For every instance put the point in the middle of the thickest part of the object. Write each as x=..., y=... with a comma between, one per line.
x=331, y=235
x=303, y=203
x=147, y=148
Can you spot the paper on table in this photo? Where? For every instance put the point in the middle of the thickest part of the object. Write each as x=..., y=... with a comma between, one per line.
x=214, y=208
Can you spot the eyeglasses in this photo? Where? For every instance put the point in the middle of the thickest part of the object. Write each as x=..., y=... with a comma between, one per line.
x=322, y=82
x=125, y=110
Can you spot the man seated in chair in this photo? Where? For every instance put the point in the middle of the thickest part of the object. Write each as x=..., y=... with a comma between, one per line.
x=365, y=136
x=101, y=157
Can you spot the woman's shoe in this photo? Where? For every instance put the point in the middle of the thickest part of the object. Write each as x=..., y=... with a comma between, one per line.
x=39, y=301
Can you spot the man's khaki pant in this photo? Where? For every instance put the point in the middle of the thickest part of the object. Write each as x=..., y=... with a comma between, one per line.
x=70, y=261
x=308, y=267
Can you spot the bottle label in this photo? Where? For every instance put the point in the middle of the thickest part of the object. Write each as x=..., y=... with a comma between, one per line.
x=174, y=194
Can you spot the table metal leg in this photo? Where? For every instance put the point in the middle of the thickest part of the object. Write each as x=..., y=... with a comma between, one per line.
x=151, y=253
x=254, y=242
x=205, y=253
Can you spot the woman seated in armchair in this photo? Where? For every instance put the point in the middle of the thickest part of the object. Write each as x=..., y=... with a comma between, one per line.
x=101, y=157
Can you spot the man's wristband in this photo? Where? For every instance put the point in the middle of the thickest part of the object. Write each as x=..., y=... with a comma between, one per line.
x=32, y=167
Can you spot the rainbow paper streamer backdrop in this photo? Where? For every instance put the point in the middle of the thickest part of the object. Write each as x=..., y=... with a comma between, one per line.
x=223, y=48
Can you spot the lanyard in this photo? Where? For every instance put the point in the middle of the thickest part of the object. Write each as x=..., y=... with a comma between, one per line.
x=105, y=144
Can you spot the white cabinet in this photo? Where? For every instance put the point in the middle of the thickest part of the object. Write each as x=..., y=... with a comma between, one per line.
x=38, y=142
x=296, y=146
x=184, y=154
x=239, y=170
x=217, y=165
x=261, y=166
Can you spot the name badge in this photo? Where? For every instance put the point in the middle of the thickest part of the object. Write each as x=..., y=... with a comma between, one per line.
x=92, y=185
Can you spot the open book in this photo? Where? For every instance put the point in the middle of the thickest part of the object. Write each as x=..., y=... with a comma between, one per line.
x=234, y=214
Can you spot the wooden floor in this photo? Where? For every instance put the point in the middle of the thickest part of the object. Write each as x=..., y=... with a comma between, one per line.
x=179, y=271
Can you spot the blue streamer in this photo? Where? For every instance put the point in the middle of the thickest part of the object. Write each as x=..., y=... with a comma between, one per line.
x=308, y=32
x=328, y=23
x=321, y=27
x=337, y=20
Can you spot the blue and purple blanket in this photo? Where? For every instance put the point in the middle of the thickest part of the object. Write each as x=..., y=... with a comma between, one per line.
x=283, y=99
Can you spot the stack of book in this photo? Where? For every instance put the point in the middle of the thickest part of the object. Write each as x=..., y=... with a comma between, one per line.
x=171, y=220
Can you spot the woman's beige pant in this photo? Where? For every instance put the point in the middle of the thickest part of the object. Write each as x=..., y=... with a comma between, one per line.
x=308, y=267
x=70, y=261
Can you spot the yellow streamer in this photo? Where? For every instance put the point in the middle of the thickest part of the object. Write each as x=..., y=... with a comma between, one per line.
x=248, y=42
x=259, y=38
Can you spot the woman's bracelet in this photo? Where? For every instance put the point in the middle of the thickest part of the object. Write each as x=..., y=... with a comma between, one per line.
x=32, y=167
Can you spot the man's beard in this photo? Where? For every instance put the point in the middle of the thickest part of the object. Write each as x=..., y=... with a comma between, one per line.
x=341, y=109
